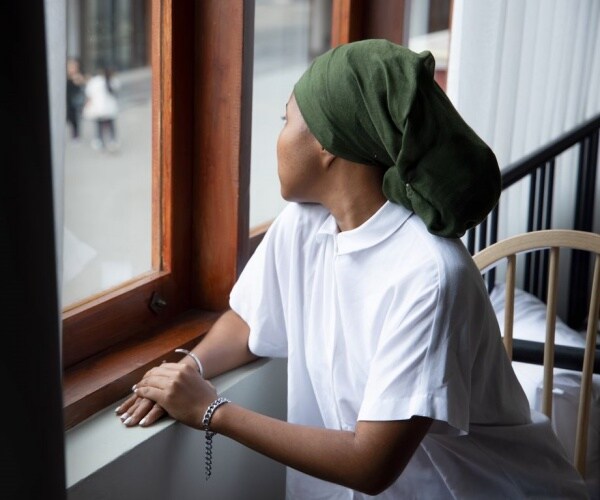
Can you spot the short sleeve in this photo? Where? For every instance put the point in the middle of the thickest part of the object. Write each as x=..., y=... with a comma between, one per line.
x=257, y=298
x=421, y=364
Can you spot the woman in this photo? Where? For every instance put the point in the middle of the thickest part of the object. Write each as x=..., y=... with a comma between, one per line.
x=398, y=384
x=75, y=96
x=102, y=107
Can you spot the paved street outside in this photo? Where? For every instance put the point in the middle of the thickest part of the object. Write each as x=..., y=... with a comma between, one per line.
x=107, y=223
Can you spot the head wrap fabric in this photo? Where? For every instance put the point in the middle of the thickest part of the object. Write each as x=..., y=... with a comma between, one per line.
x=375, y=102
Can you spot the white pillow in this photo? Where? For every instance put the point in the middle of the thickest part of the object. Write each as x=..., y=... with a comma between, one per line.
x=530, y=319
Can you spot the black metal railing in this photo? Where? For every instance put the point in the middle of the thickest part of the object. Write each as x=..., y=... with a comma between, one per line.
x=566, y=357
x=540, y=167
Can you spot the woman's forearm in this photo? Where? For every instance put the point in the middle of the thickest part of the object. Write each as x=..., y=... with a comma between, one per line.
x=224, y=347
x=367, y=460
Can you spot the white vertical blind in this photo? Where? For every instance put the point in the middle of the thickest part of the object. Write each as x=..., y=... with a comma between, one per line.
x=521, y=72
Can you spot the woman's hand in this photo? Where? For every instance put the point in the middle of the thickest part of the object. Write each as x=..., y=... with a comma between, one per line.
x=225, y=347
x=179, y=390
x=136, y=410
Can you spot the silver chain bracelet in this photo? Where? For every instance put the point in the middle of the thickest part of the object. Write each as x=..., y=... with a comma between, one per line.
x=209, y=434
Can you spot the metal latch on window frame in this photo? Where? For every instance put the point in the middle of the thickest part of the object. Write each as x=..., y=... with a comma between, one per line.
x=157, y=303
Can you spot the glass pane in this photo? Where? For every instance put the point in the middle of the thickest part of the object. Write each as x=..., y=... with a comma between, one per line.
x=108, y=164
x=288, y=34
x=429, y=29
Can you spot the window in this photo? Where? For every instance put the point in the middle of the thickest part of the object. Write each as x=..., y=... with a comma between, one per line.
x=288, y=34
x=418, y=24
x=199, y=157
x=428, y=28
x=108, y=162
x=109, y=316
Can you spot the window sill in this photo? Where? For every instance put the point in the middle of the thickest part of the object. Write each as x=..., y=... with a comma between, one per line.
x=105, y=459
x=102, y=380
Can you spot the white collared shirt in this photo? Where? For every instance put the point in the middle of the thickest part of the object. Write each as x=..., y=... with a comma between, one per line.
x=385, y=322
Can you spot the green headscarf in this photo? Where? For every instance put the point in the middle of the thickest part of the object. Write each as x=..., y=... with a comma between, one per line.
x=375, y=102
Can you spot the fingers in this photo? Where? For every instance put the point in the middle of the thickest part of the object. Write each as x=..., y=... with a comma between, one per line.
x=152, y=394
x=158, y=381
x=136, y=408
x=153, y=415
x=137, y=412
x=128, y=406
x=184, y=396
x=143, y=412
x=166, y=377
x=128, y=403
x=125, y=416
x=171, y=388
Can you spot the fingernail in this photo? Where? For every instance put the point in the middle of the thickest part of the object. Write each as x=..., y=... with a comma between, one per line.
x=143, y=421
x=117, y=409
x=133, y=388
x=124, y=416
x=128, y=420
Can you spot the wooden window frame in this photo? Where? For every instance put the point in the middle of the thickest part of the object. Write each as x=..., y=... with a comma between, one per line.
x=202, y=87
x=354, y=20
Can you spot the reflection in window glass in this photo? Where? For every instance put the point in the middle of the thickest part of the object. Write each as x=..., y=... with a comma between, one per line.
x=108, y=165
x=288, y=34
x=429, y=29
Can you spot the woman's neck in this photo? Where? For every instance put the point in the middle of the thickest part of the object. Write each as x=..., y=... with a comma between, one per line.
x=355, y=194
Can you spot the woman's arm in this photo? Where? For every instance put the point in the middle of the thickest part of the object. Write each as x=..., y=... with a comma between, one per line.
x=367, y=460
x=223, y=348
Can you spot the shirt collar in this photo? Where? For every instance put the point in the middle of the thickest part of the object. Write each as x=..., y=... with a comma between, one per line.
x=377, y=228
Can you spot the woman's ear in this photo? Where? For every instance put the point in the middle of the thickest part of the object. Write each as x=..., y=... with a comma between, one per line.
x=327, y=158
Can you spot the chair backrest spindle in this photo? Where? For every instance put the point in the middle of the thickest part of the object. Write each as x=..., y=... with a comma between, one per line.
x=509, y=304
x=583, y=415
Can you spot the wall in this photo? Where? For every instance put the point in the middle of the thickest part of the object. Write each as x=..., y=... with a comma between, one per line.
x=105, y=460
x=31, y=450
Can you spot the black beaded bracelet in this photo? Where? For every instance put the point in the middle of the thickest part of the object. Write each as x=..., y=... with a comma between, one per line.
x=209, y=434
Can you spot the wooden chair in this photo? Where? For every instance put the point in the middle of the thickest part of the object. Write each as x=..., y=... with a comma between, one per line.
x=554, y=240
